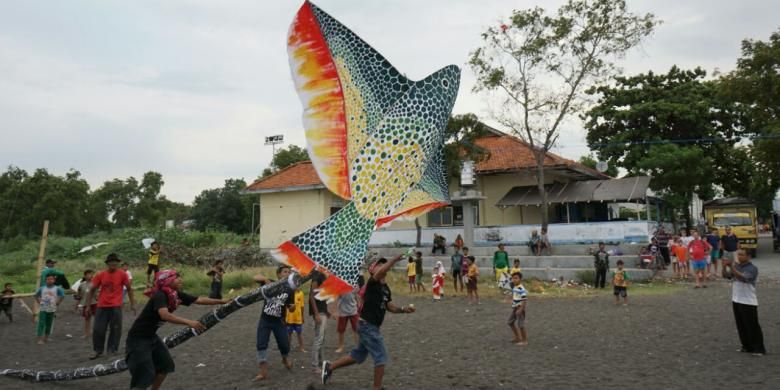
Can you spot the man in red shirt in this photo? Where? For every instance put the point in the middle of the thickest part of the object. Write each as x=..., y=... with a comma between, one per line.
x=109, y=306
x=699, y=250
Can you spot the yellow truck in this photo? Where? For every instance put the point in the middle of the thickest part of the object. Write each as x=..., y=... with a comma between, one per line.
x=738, y=213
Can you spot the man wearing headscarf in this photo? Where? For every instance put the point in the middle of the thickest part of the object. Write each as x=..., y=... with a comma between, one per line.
x=147, y=357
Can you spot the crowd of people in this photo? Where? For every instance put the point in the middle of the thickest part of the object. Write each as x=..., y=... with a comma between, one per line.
x=100, y=299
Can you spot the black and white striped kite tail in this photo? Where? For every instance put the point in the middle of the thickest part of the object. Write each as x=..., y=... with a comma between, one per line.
x=209, y=320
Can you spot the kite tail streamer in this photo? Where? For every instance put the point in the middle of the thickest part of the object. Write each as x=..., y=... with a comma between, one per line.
x=209, y=320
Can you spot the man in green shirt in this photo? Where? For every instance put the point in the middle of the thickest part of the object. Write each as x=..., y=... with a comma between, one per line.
x=59, y=277
x=500, y=262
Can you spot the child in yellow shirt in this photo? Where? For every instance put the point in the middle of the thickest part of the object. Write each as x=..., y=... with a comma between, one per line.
x=471, y=286
x=411, y=274
x=294, y=319
x=515, y=267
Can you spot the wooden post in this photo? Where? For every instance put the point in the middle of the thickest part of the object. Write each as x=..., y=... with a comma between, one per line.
x=41, y=255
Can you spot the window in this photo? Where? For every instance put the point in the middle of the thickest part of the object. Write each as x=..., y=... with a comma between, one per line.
x=450, y=216
x=440, y=217
x=457, y=212
x=733, y=220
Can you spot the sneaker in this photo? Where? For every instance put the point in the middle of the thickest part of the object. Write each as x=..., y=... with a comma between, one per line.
x=326, y=372
x=95, y=355
x=757, y=354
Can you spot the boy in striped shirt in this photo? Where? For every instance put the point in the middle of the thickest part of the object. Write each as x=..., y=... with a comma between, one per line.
x=517, y=318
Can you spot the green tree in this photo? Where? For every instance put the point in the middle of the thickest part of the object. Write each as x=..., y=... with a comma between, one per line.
x=744, y=175
x=119, y=197
x=651, y=113
x=540, y=65
x=459, y=142
x=591, y=162
x=26, y=201
x=286, y=157
x=754, y=86
x=150, y=207
x=678, y=173
x=223, y=208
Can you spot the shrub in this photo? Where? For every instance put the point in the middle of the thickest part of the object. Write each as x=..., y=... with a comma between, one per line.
x=586, y=276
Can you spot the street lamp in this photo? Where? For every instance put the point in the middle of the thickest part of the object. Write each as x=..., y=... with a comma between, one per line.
x=273, y=141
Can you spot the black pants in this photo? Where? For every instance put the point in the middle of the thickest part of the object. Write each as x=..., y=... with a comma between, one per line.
x=107, y=319
x=666, y=255
x=749, y=330
x=601, y=278
x=147, y=357
x=216, y=290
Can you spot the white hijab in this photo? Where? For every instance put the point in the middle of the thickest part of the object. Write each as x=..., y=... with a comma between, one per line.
x=442, y=271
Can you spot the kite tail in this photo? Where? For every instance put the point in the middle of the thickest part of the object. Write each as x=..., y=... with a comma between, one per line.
x=336, y=247
x=209, y=320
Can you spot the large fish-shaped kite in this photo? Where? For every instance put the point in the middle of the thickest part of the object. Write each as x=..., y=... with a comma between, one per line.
x=374, y=137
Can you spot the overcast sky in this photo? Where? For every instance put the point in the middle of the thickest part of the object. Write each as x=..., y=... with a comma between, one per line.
x=190, y=88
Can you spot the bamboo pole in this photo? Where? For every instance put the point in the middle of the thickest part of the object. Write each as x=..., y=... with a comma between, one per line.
x=41, y=255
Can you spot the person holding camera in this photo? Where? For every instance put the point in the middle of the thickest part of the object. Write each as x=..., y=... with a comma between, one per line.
x=745, y=304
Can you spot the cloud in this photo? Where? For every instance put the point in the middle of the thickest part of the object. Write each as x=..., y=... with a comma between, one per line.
x=190, y=88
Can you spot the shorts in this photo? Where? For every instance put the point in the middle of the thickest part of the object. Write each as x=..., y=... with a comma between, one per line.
x=5, y=308
x=456, y=273
x=152, y=268
x=714, y=255
x=418, y=279
x=297, y=328
x=517, y=318
x=500, y=271
x=699, y=264
x=342, y=323
x=88, y=311
x=147, y=357
x=730, y=257
x=412, y=279
x=370, y=341
x=472, y=284
x=620, y=291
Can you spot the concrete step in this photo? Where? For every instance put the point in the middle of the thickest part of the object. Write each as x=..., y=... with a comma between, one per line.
x=558, y=250
x=543, y=262
x=486, y=273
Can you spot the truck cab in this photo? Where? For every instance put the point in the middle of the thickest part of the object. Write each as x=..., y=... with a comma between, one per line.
x=738, y=213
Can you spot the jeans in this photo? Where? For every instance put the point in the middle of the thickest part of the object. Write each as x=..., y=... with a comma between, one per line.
x=264, y=329
x=107, y=319
x=319, y=338
x=601, y=278
x=216, y=290
x=370, y=342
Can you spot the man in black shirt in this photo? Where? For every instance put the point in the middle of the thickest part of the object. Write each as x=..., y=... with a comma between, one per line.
x=272, y=321
x=729, y=245
x=377, y=299
x=147, y=357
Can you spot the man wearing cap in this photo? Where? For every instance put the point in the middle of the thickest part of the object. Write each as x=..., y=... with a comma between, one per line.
x=729, y=245
x=109, y=306
x=377, y=299
x=59, y=277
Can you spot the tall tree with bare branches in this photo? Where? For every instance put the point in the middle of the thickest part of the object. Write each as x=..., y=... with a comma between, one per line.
x=539, y=65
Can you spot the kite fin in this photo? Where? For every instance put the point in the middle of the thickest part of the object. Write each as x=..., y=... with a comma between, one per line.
x=335, y=247
x=324, y=119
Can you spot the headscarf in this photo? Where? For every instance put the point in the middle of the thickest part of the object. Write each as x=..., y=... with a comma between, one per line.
x=442, y=271
x=162, y=282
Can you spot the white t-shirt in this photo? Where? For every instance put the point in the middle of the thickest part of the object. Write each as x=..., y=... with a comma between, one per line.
x=686, y=240
x=745, y=292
